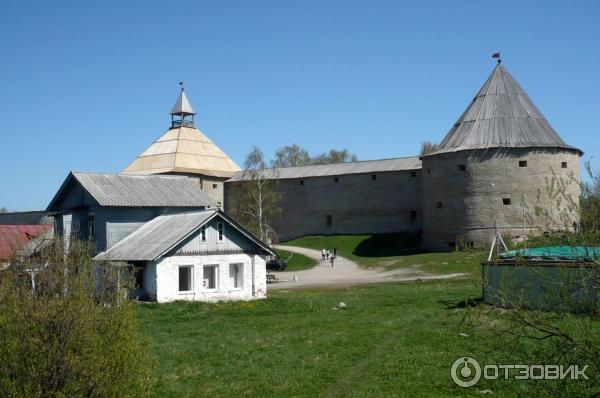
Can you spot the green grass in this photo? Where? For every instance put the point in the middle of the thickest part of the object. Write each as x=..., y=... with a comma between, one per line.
x=296, y=261
x=393, y=339
x=392, y=251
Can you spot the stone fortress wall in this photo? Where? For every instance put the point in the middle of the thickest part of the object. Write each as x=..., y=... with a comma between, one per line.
x=465, y=193
x=377, y=202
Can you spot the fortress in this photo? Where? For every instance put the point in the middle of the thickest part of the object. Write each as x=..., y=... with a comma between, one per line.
x=500, y=166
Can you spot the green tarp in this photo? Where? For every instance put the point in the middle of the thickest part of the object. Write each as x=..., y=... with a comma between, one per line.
x=576, y=253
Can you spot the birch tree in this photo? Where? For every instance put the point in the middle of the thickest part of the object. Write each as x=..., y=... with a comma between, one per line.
x=258, y=202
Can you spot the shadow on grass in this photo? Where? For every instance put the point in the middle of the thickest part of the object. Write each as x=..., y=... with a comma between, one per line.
x=451, y=305
x=386, y=245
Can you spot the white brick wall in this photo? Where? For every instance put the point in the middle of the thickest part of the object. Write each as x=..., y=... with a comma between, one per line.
x=167, y=278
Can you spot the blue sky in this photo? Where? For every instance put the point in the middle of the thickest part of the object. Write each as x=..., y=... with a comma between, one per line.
x=88, y=85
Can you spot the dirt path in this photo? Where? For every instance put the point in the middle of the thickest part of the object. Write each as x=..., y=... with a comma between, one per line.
x=344, y=273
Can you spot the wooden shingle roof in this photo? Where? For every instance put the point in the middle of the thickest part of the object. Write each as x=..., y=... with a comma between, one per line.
x=501, y=116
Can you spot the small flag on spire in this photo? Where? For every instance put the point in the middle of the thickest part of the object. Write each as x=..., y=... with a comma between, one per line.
x=496, y=56
x=181, y=84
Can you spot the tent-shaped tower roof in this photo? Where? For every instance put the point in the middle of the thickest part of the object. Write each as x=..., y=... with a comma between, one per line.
x=501, y=115
x=183, y=149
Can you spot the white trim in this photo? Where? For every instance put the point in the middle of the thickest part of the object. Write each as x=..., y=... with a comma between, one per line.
x=217, y=269
x=191, y=267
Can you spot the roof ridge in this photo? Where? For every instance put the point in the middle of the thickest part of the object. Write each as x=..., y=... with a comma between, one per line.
x=129, y=174
x=340, y=163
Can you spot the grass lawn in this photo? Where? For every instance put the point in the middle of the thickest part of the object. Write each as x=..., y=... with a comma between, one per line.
x=392, y=251
x=296, y=261
x=394, y=339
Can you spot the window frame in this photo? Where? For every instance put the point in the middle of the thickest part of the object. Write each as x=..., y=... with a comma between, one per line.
x=239, y=279
x=215, y=267
x=190, y=280
x=91, y=224
x=220, y=232
x=203, y=234
x=506, y=201
x=523, y=163
x=564, y=165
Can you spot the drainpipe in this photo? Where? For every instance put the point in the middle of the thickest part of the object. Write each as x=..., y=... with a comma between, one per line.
x=253, y=276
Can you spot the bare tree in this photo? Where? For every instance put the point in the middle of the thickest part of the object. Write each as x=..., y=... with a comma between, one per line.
x=428, y=147
x=258, y=202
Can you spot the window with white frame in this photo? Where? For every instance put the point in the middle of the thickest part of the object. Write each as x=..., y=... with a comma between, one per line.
x=220, y=230
x=91, y=225
x=209, y=281
x=185, y=278
x=236, y=275
x=203, y=234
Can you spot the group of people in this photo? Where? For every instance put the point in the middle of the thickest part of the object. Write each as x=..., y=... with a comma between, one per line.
x=329, y=255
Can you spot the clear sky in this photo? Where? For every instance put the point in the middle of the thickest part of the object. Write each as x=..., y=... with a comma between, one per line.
x=88, y=85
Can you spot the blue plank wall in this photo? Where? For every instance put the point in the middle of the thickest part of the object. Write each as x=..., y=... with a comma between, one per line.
x=111, y=223
x=233, y=241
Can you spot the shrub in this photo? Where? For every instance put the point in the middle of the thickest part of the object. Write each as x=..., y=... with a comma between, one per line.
x=66, y=332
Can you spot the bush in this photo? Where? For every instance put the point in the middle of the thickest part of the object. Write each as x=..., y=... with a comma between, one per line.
x=71, y=335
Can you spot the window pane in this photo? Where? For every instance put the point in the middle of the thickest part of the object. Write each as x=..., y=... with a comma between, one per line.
x=236, y=275
x=209, y=277
x=185, y=279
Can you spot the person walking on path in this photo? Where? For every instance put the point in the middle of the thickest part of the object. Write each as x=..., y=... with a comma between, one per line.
x=323, y=254
x=328, y=253
x=332, y=260
x=335, y=252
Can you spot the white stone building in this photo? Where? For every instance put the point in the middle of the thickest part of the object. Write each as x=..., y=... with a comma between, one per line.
x=199, y=255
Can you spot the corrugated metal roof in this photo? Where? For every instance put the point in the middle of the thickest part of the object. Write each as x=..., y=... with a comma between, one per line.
x=182, y=106
x=360, y=167
x=501, y=115
x=156, y=236
x=14, y=238
x=161, y=234
x=135, y=190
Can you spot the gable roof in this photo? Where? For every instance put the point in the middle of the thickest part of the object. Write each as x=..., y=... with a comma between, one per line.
x=184, y=150
x=501, y=115
x=14, y=238
x=358, y=167
x=134, y=190
x=161, y=234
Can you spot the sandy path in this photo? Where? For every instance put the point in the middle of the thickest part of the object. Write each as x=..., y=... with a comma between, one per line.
x=344, y=273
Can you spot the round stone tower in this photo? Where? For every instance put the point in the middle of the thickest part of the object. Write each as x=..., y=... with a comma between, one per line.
x=502, y=165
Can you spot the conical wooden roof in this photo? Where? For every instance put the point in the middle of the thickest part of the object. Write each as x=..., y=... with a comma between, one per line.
x=184, y=150
x=501, y=115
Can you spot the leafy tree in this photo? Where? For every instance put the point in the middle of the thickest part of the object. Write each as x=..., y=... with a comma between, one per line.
x=294, y=155
x=290, y=156
x=65, y=332
x=334, y=156
x=3, y=210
